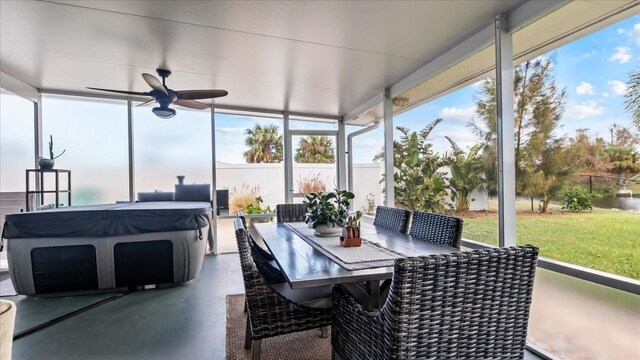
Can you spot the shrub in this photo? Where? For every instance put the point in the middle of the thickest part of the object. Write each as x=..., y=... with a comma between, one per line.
x=576, y=199
x=248, y=200
x=311, y=184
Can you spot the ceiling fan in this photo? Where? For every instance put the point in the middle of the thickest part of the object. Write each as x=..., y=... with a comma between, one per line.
x=165, y=96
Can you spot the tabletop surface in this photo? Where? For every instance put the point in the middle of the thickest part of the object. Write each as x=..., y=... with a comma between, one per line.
x=305, y=266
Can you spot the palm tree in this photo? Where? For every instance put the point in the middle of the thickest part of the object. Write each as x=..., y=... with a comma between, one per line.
x=466, y=174
x=632, y=102
x=315, y=149
x=265, y=144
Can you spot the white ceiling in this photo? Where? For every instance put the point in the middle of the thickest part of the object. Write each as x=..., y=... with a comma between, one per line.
x=306, y=56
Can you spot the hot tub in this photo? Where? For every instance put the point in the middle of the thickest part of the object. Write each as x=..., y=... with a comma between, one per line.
x=89, y=248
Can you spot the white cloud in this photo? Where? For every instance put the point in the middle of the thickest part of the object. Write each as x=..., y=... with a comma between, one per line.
x=585, y=88
x=635, y=34
x=617, y=87
x=584, y=110
x=458, y=113
x=605, y=94
x=620, y=31
x=622, y=54
x=229, y=130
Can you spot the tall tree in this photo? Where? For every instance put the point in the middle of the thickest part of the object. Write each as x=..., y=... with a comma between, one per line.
x=418, y=183
x=538, y=106
x=632, y=97
x=316, y=150
x=621, y=160
x=265, y=144
x=465, y=174
x=586, y=152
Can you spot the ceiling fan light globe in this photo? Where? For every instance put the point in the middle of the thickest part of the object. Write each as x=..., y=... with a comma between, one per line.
x=164, y=112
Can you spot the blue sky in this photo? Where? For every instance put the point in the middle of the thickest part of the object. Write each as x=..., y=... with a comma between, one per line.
x=593, y=69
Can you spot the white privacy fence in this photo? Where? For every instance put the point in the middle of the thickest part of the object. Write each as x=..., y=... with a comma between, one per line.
x=270, y=179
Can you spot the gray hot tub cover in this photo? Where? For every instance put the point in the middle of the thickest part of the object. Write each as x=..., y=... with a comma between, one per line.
x=108, y=220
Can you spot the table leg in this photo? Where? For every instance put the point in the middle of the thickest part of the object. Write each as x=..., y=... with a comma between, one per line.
x=373, y=289
x=370, y=293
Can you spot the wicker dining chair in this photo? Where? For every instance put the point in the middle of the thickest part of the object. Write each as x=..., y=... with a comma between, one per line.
x=291, y=212
x=440, y=229
x=466, y=305
x=262, y=258
x=392, y=218
x=269, y=312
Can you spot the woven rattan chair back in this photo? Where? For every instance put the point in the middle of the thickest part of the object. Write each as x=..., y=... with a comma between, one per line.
x=440, y=229
x=291, y=212
x=261, y=257
x=466, y=305
x=270, y=314
x=392, y=218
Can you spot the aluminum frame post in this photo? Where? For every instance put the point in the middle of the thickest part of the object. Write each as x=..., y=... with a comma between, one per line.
x=214, y=193
x=389, y=184
x=340, y=149
x=37, y=145
x=505, y=134
x=288, y=159
x=132, y=166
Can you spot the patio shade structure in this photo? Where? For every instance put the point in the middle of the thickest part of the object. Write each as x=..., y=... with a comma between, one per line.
x=353, y=63
x=338, y=61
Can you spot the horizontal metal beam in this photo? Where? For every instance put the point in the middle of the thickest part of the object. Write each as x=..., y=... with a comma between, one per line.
x=366, y=106
x=470, y=46
x=594, y=276
x=531, y=11
x=314, y=132
x=525, y=14
x=220, y=108
x=276, y=112
x=19, y=87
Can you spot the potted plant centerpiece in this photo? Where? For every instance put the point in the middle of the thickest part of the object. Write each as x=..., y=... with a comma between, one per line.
x=47, y=164
x=328, y=212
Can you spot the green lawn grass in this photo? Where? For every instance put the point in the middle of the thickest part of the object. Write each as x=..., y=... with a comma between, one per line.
x=606, y=240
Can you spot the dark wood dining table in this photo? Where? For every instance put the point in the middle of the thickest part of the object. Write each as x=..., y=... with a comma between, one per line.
x=305, y=266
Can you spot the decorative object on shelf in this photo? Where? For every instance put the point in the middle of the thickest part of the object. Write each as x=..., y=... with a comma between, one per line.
x=47, y=164
x=328, y=212
x=351, y=233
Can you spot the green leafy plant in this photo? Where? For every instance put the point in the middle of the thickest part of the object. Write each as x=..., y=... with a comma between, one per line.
x=576, y=199
x=419, y=185
x=330, y=208
x=466, y=174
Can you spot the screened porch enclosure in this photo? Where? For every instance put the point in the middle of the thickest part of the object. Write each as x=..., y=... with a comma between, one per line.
x=309, y=110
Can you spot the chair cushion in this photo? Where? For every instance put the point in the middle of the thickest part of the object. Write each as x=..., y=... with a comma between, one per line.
x=265, y=263
x=318, y=297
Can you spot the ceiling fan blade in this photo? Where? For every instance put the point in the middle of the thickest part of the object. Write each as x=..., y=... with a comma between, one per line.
x=192, y=104
x=121, y=91
x=154, y=83
x=146, y=102
x=200, y=94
